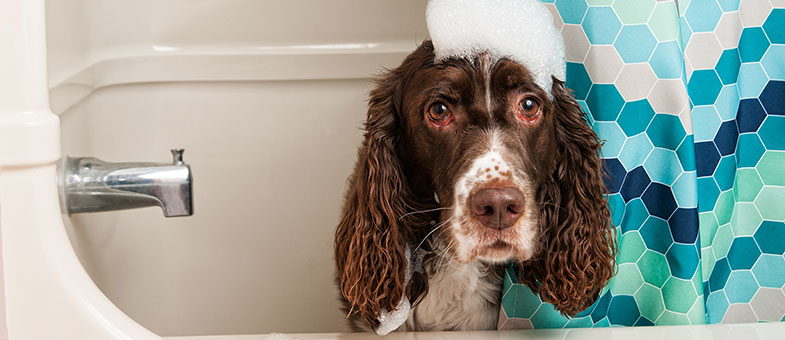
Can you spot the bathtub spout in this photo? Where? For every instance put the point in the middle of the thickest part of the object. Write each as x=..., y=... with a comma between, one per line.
x=92, y=185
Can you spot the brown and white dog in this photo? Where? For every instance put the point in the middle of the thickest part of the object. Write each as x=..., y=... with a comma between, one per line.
x=472, y=162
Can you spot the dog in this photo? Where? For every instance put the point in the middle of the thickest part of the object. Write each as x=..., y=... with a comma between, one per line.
x=467, y=165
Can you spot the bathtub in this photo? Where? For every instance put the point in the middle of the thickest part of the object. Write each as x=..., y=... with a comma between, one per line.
x=269, y=112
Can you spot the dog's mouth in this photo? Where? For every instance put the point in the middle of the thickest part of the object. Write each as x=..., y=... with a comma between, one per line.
x=497, y=251
x=498, y=244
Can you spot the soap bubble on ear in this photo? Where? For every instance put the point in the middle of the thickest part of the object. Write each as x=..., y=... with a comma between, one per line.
x=520, y=30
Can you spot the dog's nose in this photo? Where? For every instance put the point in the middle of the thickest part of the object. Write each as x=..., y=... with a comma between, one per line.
x=497, y=208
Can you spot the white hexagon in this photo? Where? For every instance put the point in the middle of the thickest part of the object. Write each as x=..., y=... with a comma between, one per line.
x=778, y=3
x=739, y=313
x=754, y=12
x=603, y=64
x=635, y=81
x=686, y=119
x=557, y=21
x=728, y=30
x=668, y=96
x=768, y=304
x=703, y=50
x=575, y=42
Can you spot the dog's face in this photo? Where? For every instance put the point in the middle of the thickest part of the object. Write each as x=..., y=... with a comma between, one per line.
x=514, y=173
x=481, y=132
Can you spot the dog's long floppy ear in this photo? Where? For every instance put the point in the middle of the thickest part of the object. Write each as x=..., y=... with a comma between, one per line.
x=577, y=258
x=371, y=239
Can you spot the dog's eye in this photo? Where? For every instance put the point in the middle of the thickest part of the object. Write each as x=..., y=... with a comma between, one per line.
x=439, y=113
x=528, y=108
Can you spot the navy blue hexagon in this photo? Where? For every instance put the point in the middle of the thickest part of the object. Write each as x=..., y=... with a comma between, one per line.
x=703, y=87
x=623, y=310
x=773, y=97
x=578, y=80
x=634, y=184
x=728, y=66
x=614, y=174
x=635, y=117
x=726, y=138
x=750, y=115
x=743, y=253
x=659, y=200
x=656, y=235
x=604, y=102
x=684, y=225
x=775, y=26
x=683, y=260
x=706, y=156
x=719, y=275
x=769, y=237
x=752, y=44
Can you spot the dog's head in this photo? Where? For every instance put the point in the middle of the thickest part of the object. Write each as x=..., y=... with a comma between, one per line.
x=512, y=172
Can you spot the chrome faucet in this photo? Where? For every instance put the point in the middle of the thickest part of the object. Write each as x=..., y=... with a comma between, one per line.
x=91, y=185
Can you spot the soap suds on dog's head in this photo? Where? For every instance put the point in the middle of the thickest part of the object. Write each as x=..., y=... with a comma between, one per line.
x=520, y=30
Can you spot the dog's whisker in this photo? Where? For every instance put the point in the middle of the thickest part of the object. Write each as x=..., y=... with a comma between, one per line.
x=429, y=234
x=423, y=211
x=434, y=229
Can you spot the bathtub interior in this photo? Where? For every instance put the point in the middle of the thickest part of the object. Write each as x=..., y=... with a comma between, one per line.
x=270, y=152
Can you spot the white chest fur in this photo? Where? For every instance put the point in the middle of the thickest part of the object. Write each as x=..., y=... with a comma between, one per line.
x=460, y=297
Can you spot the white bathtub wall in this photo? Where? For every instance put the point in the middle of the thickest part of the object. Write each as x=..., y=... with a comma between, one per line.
x=270, y=154
x=83, y=32
x=66, y=38
x=269, y=162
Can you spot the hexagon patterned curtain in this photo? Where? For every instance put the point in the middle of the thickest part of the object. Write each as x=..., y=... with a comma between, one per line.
x=690, y=98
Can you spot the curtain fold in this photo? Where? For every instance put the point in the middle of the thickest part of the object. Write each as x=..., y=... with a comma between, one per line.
x=689, y=97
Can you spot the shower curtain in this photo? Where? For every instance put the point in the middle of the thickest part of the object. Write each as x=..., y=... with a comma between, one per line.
x=690, y=99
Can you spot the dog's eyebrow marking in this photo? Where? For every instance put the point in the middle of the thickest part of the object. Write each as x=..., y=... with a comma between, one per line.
x=488, y=90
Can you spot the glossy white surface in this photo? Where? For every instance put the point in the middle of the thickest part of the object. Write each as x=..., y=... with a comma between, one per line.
x=47, y=294
x=267, y=98
x=29, y=130
x=269, y=161
x=761, y=331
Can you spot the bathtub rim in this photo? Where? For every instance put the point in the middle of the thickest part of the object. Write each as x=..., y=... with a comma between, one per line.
x=159, y=63
x=764, y=331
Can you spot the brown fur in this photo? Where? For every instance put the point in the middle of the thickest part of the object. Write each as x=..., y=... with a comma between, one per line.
x=401, y=163
x=578, y=243
x=371, y=238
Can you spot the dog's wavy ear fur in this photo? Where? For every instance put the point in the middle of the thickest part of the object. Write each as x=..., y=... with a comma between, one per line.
x=578, y=246
x=371, y=238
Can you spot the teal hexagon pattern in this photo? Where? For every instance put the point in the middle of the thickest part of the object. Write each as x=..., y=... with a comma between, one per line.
x=694, y=167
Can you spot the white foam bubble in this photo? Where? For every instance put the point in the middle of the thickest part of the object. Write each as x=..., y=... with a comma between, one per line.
x=521, y=30
x=390, y=321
